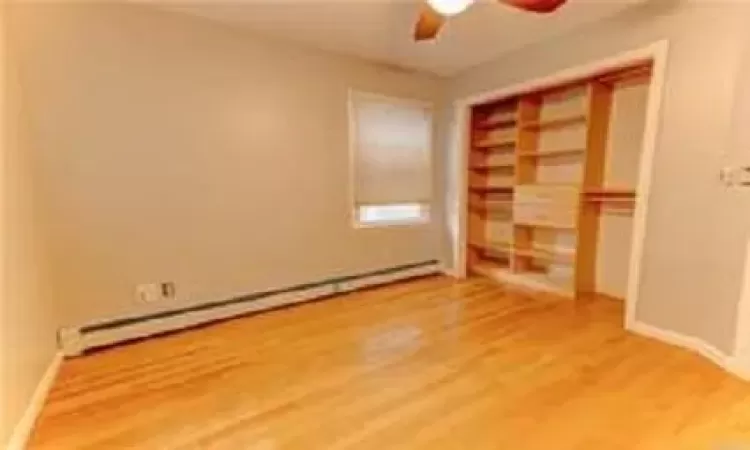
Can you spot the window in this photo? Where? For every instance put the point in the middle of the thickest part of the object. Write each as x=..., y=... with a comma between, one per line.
x=391, y=143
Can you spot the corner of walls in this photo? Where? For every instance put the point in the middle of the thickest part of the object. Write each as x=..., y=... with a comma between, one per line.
x=741, y=350
x=28, y=358
x=21, y=433
x=727, y=362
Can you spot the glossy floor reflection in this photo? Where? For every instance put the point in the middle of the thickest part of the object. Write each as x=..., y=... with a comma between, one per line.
x=428, y=364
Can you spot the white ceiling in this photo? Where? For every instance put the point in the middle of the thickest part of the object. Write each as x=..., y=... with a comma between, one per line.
x=380, y=30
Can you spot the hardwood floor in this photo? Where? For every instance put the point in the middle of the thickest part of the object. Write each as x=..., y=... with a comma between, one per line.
x=429, y=364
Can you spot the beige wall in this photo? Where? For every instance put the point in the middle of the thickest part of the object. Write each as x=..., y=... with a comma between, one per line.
x=174, y=148
x=27, y=318
x=171, y=148
x=692, y=260
x=624, y=150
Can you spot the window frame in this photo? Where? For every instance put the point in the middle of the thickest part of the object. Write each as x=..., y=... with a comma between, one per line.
x=425, y=218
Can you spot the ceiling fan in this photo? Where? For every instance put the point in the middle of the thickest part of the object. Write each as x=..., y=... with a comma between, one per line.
x=434, y=13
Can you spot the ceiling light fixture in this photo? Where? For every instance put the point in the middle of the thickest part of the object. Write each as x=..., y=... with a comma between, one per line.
x=433, y=14
x=449, y=7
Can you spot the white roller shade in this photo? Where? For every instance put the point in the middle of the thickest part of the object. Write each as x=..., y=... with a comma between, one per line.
x=391, y=146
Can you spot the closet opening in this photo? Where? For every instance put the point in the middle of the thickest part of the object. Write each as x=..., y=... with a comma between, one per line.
x=552, y=179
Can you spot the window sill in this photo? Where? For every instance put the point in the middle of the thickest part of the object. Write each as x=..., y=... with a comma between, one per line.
x=392, y=224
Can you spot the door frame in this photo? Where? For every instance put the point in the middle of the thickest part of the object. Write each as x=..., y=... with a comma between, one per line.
x=657, y=52
x=739, y=360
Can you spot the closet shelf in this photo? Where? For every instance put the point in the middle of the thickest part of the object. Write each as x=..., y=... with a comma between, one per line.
x=525, y=280
x=546, y=252
x=504, y=209
x=555, y=123
x=499, y=122
x=488, y=265
x=609, y=195
x=496, y=246
x=551, y=153
x=610, y=192
x=491, y=166
x=495, y=144
x=491, y=206
x=537, y=251
x=588, y=192
x=491, y=189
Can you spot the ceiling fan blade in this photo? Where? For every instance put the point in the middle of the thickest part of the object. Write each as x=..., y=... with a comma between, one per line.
x=537, y=6
x=428, y=24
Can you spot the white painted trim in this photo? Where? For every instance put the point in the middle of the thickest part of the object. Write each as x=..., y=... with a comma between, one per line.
x=737, y=367
x=75, y=346
x=22, y=431
x=568, y=75
x=727, y=362
x=645, y=176
x=680, y=340
x=449, y=271
x=741, y=351
x=658, y=52
x=463, y=119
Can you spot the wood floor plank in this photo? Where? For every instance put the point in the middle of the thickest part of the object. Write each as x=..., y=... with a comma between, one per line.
x=426, y=364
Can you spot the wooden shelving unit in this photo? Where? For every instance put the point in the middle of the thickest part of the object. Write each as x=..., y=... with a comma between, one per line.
x=490, y=166
x=509, y=237
x=556, y=123
x=538, y=251
x=495, y=144
x=620, y=198
x=500, y=122
x=554, y=152
x=491, y=189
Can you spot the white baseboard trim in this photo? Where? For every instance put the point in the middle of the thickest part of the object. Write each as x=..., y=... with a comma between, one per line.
x=75, y=340
x=699, y=346
x=449, y=271
x=737, y=367
x=22, y=431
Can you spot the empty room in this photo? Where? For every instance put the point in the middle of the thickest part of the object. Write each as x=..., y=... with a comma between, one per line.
x=375, y=224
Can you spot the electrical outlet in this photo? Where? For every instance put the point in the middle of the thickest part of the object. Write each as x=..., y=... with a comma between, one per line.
x=168, y=290
x=148, y=293
x=155, y=292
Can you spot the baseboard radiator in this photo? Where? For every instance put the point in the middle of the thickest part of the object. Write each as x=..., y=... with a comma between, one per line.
x=75, y=341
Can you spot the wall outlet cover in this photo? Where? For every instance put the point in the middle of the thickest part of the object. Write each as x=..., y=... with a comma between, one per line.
x=168, y=289
x=149, y=293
